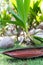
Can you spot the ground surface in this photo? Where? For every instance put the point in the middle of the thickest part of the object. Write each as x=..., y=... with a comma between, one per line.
x=5, y=60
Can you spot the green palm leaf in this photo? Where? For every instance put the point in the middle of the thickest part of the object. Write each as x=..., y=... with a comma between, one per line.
x=26, y=9
x=22, y=12
x=20, y=8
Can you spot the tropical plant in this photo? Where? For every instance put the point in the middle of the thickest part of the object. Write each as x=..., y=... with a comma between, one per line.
x=4, y=16
x=23, y=7
x=21, y=15
x=33, y=13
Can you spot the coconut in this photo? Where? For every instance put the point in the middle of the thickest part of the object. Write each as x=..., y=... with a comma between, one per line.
x=32, y=31
x=6, y=42
x=40, y=25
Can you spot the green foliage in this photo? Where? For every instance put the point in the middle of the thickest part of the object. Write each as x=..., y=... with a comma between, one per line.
x=4, y=16
x=33, y=14
x=39, y=38
x=22, y=12
x=36, y=41
x=26, y=12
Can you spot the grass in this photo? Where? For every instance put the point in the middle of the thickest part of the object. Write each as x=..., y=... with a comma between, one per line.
x=6, y=60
